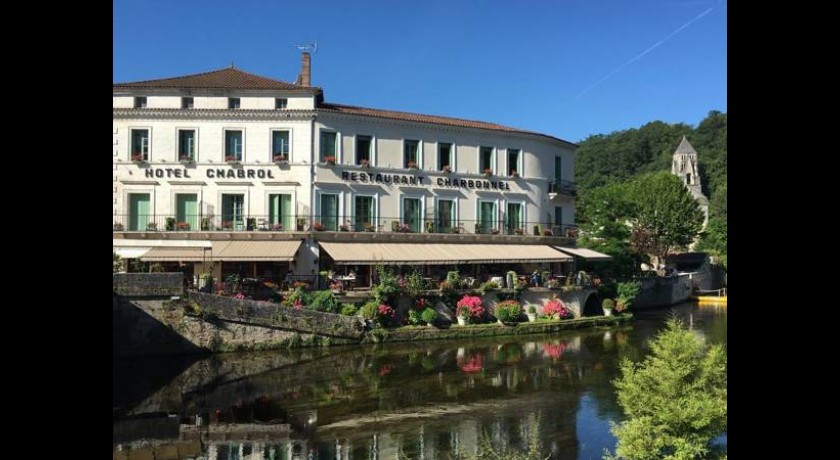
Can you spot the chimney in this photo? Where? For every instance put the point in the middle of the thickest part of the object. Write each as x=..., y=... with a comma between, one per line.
x=303, y=77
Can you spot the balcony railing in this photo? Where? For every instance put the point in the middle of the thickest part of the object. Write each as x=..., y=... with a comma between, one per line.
x=562, y=187
x=306, y=223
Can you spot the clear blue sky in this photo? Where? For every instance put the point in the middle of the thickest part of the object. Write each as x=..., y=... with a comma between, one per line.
x=566, y=68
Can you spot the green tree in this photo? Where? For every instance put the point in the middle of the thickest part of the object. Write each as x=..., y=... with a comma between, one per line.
x=674, y=401
x=602, y=214
x=118, y=263
x=666, y=215
x=714, y=239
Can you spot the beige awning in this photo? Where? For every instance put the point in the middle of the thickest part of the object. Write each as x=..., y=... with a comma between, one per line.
x=436, y=254
x=584, y=253
x=257, y=251
x=130, y=252
x=176, y=254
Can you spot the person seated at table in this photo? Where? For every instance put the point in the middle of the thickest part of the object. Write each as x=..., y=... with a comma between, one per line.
x=352, y=274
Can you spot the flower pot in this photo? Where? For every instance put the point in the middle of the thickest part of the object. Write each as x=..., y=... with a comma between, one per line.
x=608, y=312
x=532, y=317
x=462, y=321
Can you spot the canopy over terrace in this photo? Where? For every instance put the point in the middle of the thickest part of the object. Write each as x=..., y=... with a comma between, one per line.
x=584, y=253
x=439, y=254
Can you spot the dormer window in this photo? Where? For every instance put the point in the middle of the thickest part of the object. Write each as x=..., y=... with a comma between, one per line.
x=233, y=102
x=280, y=102
x=187, y=103
x=140, y=102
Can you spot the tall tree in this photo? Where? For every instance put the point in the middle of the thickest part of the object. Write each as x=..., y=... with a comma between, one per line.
x=666, y=215
x=602, y=215
x=675, y=400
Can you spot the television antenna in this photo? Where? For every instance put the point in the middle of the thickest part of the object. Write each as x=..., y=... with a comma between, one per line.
x=307, y=47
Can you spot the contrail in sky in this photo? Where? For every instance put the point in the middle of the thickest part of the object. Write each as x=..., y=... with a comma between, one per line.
x=652, y=47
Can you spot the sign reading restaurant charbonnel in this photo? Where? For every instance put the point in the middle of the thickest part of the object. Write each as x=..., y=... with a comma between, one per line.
x=402, y=179
x=212, y=173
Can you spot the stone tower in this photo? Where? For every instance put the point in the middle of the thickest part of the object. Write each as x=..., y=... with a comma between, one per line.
x=685, y=167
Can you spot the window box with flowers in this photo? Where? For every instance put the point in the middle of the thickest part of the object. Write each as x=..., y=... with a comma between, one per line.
x=514, y=173
x=138, y=158
x=227, y=225
x=186, y=159
x=447, y=168
x=519, y=231
x=329, y=160
x=232, y=160
x=318, y=226
x=118, y=227
x=488, y=172
x=280, y=160
x=369, y=227
x=182, y=226
x=412, y=165
x=365, y=163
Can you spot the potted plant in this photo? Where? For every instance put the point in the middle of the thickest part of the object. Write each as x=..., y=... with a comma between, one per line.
x=118, y=227
x=463, y=315
x=518, y=231
x=137, y=158
x=532, y=313
x=318, y=226
x=330, y=160
x=205, y=223
x=488, y=172
x=469, y=308
x=514, y=173
x=608, y=305
x=447, y=169
x=227, y=225
x=170, y=224
x=182, y=226
x=429, y=315
x=185, y=159
x=369, y=227
x=300, y=224
x=411, y=165
x=556, y=309
x=508, y=311
x=280, y=159
x=276, y=227
x=230, y=159
x=365, y=163
x=151, y=227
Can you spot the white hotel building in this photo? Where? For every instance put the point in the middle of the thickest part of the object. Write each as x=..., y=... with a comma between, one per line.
x=231, y=172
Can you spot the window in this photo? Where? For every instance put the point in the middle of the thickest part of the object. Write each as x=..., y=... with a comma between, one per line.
x=558, y=215
x=280, y=102
x=363, y=149
x=280, y=145
x=138, y=212
x=233, y=206
x=514, y=217
x=513, y=162
x=444, y=156
x=280, y=211
x=558, y=168
x=485, y=159
x=410, y=155
x=445, y=215
x=140, y=102
x=412, y=214
x=186, y=211
x=186, y=144
x=139, y=144
x=233, y=102
x=187, y=103
x=233, y=145
x=328, y=146
x=486, y=216
x=329, y=212
x=364, y=218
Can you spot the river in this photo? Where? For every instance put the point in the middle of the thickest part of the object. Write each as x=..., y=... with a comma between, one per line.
x=426, y=400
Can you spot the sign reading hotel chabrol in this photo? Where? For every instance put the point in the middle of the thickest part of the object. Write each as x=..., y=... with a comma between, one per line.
x=212, y=173
x=402, y=179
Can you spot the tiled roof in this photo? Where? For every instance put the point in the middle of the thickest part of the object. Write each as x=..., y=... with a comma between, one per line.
x=685, y=147
x=416, y=117
x=228, y=78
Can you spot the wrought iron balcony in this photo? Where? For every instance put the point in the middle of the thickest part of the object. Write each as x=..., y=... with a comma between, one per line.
x=562, y=187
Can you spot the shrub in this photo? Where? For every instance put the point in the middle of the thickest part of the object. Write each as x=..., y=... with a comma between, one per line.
x=532, y=309
x=470, y=307
x=324, y=301
x=488, y=286
x=627, y=292
x=608, y=304
x=385, y=315
x=369, y=310
x=415, y=318
x=349, y=309
x=507, y=314
x=429, y=315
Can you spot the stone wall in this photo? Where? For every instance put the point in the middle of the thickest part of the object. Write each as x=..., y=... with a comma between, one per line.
x=663, y=291
x=273, y=315
x=144, y=327
x=149, y=284
x=537, y=297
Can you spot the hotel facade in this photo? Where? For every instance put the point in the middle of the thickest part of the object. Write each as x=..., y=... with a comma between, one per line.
x=229, y=172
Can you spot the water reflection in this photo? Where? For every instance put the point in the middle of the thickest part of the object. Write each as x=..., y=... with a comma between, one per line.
x=425, y=400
